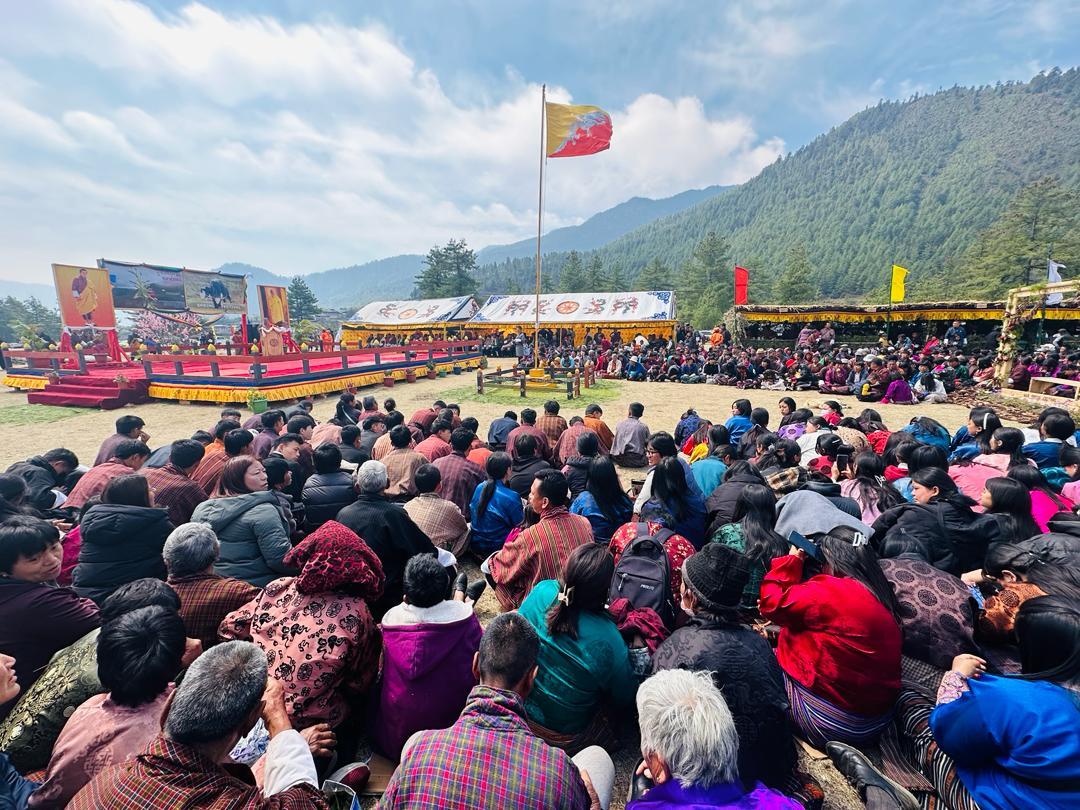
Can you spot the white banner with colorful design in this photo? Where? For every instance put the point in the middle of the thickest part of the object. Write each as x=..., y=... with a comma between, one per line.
x=409, y=313
x=612, y=307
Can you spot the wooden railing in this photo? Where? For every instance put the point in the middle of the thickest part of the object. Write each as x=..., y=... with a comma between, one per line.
x=75, y=362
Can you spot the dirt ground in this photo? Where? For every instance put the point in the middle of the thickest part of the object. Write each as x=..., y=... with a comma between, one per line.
x=83, y=430
x=34, y=429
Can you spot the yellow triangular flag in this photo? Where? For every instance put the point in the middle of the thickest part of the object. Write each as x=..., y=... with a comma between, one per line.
x=896, y=294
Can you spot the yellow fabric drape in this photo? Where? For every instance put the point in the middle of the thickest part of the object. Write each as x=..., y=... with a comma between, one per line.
x=897, y=292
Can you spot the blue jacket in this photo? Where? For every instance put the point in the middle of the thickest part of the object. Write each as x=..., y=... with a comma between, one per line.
x=586, y=506
x=1010, y=736
x=504, y=512
x=1045, y=453
x=737, y=426
x=707, y=472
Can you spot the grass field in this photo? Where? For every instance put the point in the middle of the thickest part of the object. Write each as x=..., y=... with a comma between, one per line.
x=35, y=414
x=601, y=391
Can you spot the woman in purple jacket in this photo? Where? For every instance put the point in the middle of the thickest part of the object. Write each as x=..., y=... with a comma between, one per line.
x=37, y=618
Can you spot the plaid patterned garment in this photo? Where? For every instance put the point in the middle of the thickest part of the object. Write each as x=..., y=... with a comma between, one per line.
x=209, y=470
x=401, y=465
x=206, y=599
x=174, y=491
x=538, y=553
x=487, y=759
x=94, y=481
x=168, y=774
x=552, y=425
x=459, y=479
x=440, y=520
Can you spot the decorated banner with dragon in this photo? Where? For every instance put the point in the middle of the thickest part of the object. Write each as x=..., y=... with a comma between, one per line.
x=414, y=313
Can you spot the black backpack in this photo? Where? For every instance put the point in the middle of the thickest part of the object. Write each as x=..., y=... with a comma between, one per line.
x=643, y=574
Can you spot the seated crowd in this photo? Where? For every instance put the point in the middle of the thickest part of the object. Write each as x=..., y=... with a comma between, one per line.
x=907, y=370
x=226, y=621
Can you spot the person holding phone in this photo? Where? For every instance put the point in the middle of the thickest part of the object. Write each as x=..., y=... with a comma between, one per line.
x=840, y=640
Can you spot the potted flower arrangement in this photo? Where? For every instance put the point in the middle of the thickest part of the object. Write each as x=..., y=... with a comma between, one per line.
x=410, y=375
x=257, y=402
x=430, y=366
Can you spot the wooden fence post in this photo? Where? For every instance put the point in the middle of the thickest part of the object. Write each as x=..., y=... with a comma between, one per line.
x=521, y=385
x=480, y=381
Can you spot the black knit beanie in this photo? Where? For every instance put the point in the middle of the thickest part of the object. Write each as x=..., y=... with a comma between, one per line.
x=717, y=576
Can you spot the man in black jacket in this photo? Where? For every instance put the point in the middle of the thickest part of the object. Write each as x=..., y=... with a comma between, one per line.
x=329, y=490
x=387, y=529
x=44, y=473
x=526, y=464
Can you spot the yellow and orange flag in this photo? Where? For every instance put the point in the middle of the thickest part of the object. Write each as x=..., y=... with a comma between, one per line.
x=576, y=129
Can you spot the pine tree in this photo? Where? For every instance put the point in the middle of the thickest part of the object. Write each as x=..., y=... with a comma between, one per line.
x=615, y=281
x=1013, y=251
x=448, y=272
x=796, y=285
x=654, y=276
x=595, y=278
x=572, y=279
x=705, y=289
x=303, y=305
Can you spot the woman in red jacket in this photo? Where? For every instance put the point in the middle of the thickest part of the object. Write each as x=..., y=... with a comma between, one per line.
x=839, y=642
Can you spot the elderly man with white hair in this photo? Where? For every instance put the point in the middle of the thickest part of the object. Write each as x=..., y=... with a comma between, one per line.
x=387, y=528
x=205, y=597
x=223, y=694
x=691, y=748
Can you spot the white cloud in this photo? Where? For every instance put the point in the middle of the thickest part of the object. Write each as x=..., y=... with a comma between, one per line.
x=305, y=146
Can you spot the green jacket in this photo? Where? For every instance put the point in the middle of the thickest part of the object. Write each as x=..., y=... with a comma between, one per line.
x=576, y=675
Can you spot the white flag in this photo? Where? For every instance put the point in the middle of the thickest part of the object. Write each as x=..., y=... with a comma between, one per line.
x=1052, y=275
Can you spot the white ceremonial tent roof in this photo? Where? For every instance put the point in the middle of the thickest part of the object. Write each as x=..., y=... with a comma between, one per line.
x=570, y=308
x=414, y=313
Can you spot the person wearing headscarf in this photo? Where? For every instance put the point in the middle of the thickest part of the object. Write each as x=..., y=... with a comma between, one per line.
x=316, y=628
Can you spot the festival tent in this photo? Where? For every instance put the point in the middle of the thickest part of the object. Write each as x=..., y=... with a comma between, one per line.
x=629, y=313
x=880, y=313
x=405, y=318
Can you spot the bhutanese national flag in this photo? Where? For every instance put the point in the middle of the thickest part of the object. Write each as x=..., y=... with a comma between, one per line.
x=897, y=291
x=576, y=129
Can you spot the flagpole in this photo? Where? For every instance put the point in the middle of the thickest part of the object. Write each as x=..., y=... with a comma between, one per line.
x=539, y=225
x=1042, y=320
x=888, y=321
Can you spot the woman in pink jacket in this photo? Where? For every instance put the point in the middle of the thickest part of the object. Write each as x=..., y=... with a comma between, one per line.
x=1005, y=452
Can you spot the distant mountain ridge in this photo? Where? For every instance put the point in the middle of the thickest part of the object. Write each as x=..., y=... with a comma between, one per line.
x=601, y=228
x=392, y=277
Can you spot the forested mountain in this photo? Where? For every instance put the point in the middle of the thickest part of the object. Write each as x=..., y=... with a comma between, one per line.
x=601, y=228
x=943, y=184
x=910, y=182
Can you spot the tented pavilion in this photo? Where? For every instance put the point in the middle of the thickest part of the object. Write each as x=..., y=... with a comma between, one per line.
x=628, y=313
x=431, y=318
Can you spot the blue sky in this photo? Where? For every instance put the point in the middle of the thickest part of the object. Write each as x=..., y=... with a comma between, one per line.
x=300, y=136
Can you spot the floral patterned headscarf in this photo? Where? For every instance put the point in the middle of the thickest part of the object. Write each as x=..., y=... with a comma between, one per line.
x=334, y=558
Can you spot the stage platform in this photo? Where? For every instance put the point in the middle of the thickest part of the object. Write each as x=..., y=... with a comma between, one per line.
x=221, y=378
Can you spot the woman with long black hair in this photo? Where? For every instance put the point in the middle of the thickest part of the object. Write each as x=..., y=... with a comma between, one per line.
x=495, y=509
x=840, y=640
x=759, y=426
x=753, y=534
x=1045, y=503
x=787, y=409
x=973, y=437
x=603, y=502
x=866, y=484
x=995, y=742
x=688, y=507
x=939, y=527
x=583, y=662
x=1009, y=502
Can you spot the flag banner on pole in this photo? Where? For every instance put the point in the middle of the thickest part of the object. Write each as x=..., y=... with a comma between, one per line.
x=576, y=129
x=742, y=284
x=897, y=291
x=1052, y=276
